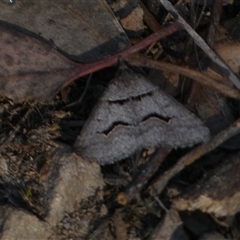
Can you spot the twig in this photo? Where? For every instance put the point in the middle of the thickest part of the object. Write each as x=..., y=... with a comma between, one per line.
x=120, y=226
x=202, y=44
x=201, y=14
x=142, y=178
x=193, y=14
x=216, y=14
x=168, y=228
x=204, y=62
x=85, y=69
x=67, y=76
x=162, y=206
x=141, y=61
x=195, y=154
x=217, y=11
x=149, y=19
x=104, y=222
x=79, y=101
x=151, y=22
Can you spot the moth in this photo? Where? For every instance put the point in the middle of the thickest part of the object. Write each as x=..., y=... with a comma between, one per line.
x=134, y=114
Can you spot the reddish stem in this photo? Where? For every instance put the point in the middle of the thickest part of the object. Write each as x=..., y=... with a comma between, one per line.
x=88, y=68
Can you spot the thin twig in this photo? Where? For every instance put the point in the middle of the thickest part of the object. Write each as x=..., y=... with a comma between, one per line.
x=202, y=13
x=202, y=44
x=79, y=101
x=149, y=19
x=195, y=154
x=204, y=62
x=151, y=22
x=67, y=76
x=161, y=204
x=216, y=15
x=142, y=178
x=85, y=69
x=141, y=61
x=95, y=232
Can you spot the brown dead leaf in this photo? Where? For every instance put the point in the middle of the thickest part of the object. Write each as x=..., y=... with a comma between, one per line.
x=30, y=68
x=21, y=54
x=44, y=82
x=217, y=193
x=84, y=30
x=230, y=52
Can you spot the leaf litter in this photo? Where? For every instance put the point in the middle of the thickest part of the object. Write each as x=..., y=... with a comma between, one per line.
x=30, y=131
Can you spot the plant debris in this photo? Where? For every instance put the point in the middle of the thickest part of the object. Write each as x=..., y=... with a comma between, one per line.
x=61, y=88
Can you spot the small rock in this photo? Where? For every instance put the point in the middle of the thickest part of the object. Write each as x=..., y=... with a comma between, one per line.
x=67, y=179
x=18, y=225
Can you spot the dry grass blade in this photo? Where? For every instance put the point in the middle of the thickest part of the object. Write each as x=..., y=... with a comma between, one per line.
x=141, y=61
x=202, y=44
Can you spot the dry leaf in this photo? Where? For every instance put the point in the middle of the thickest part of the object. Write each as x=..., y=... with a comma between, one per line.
x=84, y=30
x=230, y=52
x=217, y=194
x=30, y=68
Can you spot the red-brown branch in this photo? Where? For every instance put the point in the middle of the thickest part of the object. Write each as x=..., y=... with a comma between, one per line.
x=88, y=68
